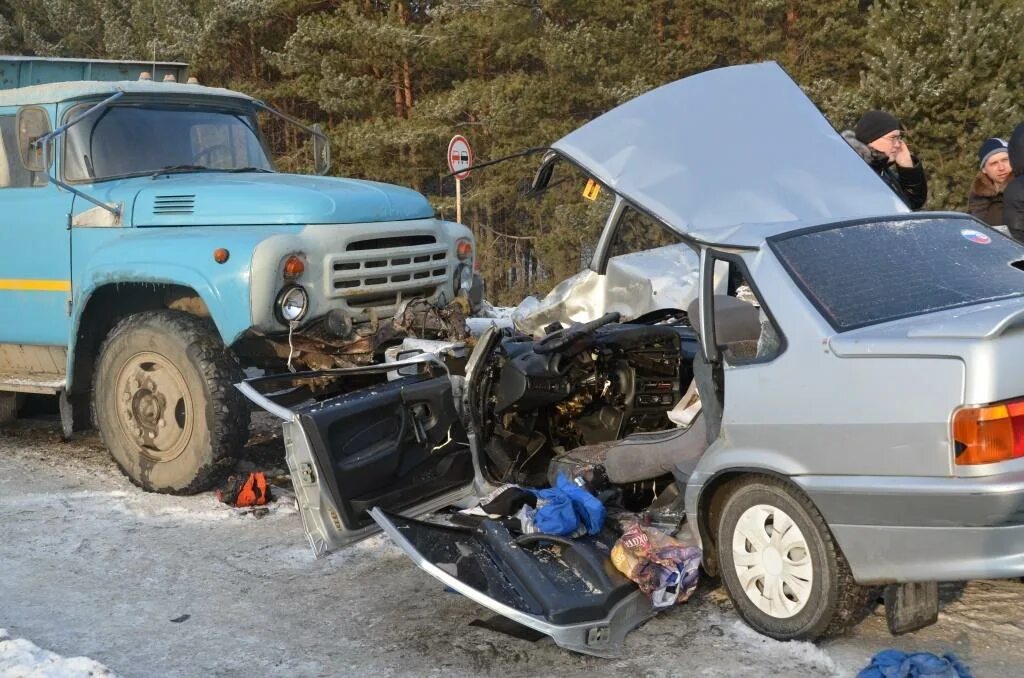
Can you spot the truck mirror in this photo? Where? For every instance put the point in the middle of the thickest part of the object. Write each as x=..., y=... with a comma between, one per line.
x=321, y=151
x=33, y=123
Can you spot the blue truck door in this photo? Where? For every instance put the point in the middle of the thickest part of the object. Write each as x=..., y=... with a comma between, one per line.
x=35, y=249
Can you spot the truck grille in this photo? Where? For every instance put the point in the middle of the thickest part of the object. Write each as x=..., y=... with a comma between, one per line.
x=379, y=271
x=174, y=204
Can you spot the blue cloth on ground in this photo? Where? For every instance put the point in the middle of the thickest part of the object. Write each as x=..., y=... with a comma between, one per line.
x=897, y=664
x=566, y=507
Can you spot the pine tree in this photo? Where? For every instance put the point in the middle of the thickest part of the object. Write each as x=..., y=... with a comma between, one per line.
x=952, y=71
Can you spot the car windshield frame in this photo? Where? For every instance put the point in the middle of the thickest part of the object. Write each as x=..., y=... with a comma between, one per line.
x=966, y=223
x=246, y=119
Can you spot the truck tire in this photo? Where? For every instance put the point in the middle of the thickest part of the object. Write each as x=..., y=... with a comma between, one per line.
x=165, y=403
x=10, y=403
x=782, y=569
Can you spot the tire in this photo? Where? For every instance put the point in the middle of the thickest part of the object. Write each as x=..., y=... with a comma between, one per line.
x=810, y=590
x=10, y=403
x=165, y=403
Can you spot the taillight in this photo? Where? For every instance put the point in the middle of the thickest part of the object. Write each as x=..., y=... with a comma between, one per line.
x=989, y=433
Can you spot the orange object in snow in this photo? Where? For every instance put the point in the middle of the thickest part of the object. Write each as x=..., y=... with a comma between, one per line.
x=254, y=491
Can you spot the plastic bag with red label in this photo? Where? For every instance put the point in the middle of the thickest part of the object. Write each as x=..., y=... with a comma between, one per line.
x=665, y=568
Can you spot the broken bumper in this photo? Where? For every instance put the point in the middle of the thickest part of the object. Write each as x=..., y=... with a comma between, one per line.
x=584, y=605
x=908, y=529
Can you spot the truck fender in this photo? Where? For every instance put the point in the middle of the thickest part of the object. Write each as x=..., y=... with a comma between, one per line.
x=228, y=303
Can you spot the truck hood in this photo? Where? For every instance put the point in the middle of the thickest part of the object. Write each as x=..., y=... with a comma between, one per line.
x=214, y=199
x=730, y=156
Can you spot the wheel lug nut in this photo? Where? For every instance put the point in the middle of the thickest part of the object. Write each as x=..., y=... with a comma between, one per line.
x=163, y=423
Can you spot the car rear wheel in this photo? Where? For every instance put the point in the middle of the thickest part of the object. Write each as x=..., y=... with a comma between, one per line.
x=784, y=572
x=165, y=403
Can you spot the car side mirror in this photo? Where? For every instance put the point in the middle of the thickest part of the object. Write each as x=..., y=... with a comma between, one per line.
x=33, y=123
x=321, y=151
x=543, y=176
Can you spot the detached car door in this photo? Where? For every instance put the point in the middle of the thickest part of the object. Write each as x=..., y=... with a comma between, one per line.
x=398, y=446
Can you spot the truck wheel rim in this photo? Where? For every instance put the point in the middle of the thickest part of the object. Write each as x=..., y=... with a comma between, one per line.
x=154, y=407
x=772, y=561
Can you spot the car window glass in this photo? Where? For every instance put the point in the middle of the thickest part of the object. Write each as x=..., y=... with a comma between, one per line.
x=867, y=273
x=12, y=173
x=636, y=232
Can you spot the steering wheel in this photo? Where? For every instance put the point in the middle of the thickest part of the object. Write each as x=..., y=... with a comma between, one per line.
x=569, y=335
x=208, y=152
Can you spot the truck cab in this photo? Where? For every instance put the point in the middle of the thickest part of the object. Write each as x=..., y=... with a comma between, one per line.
x=151, y=252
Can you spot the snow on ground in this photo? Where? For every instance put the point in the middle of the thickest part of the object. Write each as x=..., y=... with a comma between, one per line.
x=183, y=586
x=20, y=658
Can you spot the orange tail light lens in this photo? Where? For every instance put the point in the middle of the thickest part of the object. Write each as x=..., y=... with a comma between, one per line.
x=989, y=433
x=463, y=249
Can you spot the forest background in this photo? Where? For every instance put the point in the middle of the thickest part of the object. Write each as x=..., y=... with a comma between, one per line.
x=393, y=81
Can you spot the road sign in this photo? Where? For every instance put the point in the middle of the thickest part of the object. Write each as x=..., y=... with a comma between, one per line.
x=460, y=156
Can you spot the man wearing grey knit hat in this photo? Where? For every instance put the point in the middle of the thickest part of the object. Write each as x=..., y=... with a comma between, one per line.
x=879, y=138
x=985, y=199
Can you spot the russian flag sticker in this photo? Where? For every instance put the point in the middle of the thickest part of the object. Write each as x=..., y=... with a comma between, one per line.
x=976, y=237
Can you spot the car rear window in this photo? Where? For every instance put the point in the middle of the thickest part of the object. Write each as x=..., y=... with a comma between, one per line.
x=868, y=273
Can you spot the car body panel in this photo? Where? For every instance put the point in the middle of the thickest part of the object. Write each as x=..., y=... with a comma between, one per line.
x=632, y=285
x=730, y=155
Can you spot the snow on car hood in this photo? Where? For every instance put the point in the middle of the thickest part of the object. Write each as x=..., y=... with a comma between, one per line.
x=731, y=155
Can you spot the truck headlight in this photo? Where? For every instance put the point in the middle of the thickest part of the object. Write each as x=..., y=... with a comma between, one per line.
x=292, y=303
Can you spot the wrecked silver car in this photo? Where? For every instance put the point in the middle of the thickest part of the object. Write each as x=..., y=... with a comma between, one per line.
x=855, y=419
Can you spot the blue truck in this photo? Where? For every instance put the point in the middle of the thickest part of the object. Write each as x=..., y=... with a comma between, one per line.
x=150, y=253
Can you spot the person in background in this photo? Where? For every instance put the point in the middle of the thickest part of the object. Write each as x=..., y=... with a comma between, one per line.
x=1013, y=196
x=985, y=199
x=878, y=138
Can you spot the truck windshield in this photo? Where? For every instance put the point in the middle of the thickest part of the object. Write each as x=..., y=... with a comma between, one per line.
x=133, y=140
x=869, y=273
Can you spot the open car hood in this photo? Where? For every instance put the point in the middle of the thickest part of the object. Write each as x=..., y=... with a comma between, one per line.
x=730, y=156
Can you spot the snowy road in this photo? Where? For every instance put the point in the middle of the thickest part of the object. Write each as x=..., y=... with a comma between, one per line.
x=155, y=585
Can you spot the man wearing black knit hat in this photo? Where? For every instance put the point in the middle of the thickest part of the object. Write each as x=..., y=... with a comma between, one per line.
x=878, y=138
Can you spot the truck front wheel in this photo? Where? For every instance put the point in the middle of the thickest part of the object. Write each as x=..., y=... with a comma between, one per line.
x=165, y=403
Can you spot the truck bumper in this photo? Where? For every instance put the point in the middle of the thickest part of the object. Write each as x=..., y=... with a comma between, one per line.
x=909, y=529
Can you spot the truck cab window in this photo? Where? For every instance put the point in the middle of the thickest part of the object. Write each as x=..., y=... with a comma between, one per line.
x=135, y=140
x=12, y=173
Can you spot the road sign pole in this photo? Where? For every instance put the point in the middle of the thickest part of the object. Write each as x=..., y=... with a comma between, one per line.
x=458, y=200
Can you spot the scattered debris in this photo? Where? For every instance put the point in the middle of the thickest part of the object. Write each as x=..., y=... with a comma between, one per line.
x=246, y=492
x=665, y=569
x=899, y=664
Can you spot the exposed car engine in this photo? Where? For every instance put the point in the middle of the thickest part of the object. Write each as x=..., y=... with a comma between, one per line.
x=583, y=385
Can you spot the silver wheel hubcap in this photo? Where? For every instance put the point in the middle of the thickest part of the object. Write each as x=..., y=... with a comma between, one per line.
x=772, y=561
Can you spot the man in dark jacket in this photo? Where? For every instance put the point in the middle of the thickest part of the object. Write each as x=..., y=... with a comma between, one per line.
x=878, y=138
x=985, y=199
x=1013, y=197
